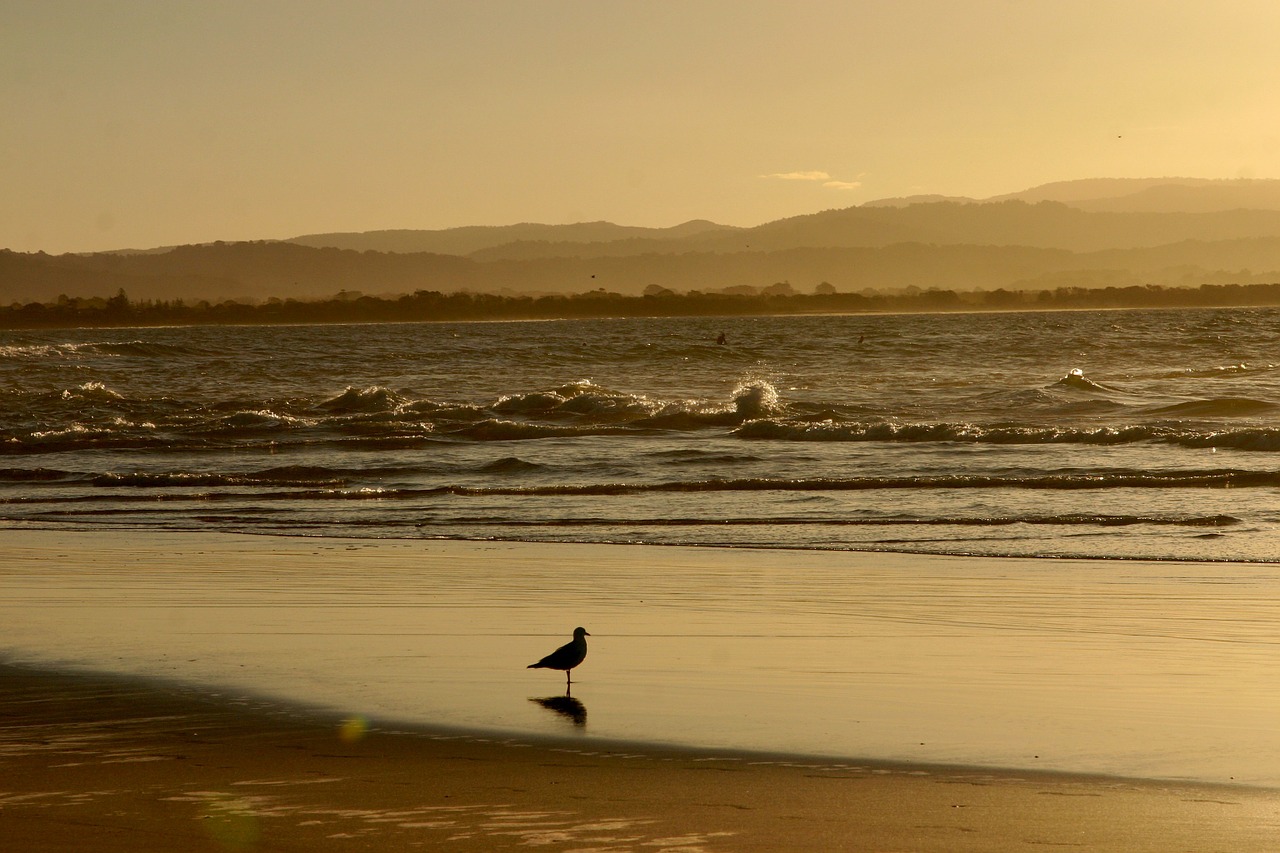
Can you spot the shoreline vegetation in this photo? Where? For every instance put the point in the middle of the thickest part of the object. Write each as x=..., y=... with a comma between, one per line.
x=778, y=299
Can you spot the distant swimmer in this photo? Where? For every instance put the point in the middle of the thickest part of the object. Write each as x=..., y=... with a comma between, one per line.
x=722, y=340
x=567, y=656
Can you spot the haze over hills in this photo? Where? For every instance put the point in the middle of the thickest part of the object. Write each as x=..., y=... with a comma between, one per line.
x=1135, y=195
x=932, y=218
x=1076, y=233
x=474, y=238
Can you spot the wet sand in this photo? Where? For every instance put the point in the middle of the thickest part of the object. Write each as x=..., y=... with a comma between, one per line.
x=1149, y=670
x=209, y=691
x=93, y=762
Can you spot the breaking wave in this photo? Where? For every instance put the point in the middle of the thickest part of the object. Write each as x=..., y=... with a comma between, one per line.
x=1262, y=439
x=363, y=400
x=1048, y=430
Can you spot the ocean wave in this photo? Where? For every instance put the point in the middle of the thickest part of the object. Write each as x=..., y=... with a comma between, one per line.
x=73, y=431
x=943, y=432
x=186, y=479
x=136, y=348
x=443, y=414
x=702, y=457
x=91, y=391
x=819, y=410
x=686, y=418
x=98, y=416
x=538, y=401
x=1068, y=520
x=581, y=399
x=324, y=473
x=1062, y=481
x=242, y=428
x=1221, y=371
x=42, y=351
x=375, y=398
x=494, y=429
x=108, y=348
x=1222, y=407
x=749, y=400
x=83, y=438
x=1076, y=380
x=755, y=399
x=243, y=423
x=39, y=475
x=386, y=443
x=509, y=465
x=1260, y=439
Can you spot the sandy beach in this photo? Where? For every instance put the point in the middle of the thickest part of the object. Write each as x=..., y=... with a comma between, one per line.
x=260, y=693
x=98, y=763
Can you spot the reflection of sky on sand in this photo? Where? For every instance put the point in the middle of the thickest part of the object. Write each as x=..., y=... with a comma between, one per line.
x=1166, y=669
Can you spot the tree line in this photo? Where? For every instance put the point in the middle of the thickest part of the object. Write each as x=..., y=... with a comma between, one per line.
x=431, y=305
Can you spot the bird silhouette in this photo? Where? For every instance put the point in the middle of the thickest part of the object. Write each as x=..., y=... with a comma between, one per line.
x=567, y=656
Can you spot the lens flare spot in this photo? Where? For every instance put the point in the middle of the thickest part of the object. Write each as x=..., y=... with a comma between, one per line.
x=353, y=728
x=232, y=824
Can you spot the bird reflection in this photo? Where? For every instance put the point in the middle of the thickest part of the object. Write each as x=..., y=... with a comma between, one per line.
x=565, y=706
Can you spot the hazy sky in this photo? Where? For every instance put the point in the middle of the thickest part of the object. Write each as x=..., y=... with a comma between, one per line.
x=140, y=124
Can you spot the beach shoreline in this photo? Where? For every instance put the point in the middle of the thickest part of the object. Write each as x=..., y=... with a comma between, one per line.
x=103, y=762
x=354, y=727
x=222, y=692
x=1136, y=670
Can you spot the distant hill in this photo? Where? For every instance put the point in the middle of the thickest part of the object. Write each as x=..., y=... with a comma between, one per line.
x=907, y=201
x=1166, y=231
x=1131, y=195
x=1070, y=215
x=257, y=271
x=1046, y=224
x=219, y=271
x=476, y=238
x=1232, y=195
x=1156, y=195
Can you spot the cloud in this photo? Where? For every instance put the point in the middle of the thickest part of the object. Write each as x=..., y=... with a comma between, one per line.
x=815, y=176
x=798, y=176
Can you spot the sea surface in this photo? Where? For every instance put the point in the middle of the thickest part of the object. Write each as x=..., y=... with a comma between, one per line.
x=1123, y=434
x=1145, y=441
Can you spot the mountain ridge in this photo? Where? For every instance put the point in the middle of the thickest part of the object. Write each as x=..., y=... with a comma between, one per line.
x=878, y=222
x=1036, y=242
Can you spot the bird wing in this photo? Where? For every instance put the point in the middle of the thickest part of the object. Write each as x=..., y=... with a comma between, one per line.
x=566, y=657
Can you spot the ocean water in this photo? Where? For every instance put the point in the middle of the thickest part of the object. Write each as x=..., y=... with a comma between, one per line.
x=1141, y=439
x=1134, y=434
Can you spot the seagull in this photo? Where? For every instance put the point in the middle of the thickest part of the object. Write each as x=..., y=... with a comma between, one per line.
x=567, y=656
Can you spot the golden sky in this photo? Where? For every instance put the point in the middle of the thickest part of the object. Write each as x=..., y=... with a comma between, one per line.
x=140, y=124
